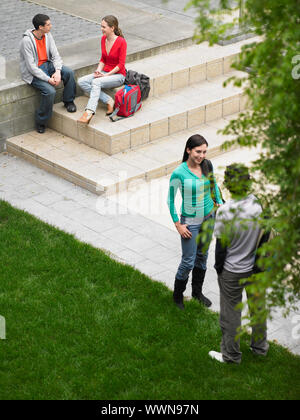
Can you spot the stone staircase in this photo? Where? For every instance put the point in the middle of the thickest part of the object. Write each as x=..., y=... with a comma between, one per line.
x=187, y=97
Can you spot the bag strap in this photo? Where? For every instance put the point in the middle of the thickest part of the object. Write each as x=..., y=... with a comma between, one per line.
x=112, y=116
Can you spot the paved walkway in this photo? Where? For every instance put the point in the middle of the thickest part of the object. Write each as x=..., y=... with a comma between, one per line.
x=22, y=13
x=145, y=241
x=76, y=26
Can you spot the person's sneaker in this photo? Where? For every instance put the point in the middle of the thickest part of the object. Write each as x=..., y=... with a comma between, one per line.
x=258, y=353
x=71, y=107
x=40, y=128
x=217, y=356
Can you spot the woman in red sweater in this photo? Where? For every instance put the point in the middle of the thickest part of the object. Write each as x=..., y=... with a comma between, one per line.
x=110, y=72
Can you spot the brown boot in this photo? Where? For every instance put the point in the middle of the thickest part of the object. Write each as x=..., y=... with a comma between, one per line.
x=86, y=117
x=110, y=107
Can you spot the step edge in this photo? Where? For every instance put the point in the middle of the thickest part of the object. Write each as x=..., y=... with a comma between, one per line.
x=96, y=187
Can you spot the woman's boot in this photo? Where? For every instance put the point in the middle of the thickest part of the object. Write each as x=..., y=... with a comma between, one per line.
x=197, y=283
x=179, y=288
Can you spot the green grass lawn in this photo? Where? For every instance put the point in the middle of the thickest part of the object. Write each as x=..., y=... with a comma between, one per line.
x=82, y=326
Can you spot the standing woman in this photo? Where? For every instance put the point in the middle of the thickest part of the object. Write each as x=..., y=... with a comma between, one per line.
x=110, y=72
x=200, y=194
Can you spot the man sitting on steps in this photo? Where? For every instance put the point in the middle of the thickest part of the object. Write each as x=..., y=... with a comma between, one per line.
x=42, y=67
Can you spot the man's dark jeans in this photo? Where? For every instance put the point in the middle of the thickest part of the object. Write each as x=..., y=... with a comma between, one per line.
x=44, y=112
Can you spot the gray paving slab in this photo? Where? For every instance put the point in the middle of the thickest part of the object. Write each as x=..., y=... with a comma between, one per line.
x=130, y=14
x=160, y=254
x=141, y=244
x=65, y=206
x=109, y=245
x=175, y=9
x=127, y=256
x=47, y=198
x=150, y=268
x=128, y=237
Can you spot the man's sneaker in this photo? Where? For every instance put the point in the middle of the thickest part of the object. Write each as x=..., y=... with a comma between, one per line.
x=40, y=128
x=71, y=107
x=217, y=356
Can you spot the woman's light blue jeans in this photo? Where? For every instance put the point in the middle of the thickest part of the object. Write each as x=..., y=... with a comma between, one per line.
x=94, y=87
x=192, y=254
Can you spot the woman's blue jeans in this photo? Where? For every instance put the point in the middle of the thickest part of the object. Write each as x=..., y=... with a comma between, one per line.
x=192, y=254
x=94, y=87
x=44, y=112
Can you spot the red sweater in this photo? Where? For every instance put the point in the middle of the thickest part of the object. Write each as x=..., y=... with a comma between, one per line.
x=116, y=56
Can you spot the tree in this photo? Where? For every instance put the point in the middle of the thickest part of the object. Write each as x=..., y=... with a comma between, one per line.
x=272, y=121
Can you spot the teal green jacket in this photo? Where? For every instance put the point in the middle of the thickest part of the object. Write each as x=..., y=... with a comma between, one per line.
x=195, y=192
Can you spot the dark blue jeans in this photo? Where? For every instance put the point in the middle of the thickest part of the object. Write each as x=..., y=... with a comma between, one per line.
x=44, y=112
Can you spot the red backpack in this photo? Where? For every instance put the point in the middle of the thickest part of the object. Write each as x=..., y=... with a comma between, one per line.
x=127, y=102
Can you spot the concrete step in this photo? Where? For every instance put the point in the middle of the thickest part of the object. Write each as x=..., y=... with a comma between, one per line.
x=100, y=173
x=186, y=90
x=159, y=117
x=186, y=66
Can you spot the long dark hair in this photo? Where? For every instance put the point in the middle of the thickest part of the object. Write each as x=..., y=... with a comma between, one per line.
x=112, y=21
x=195, y=141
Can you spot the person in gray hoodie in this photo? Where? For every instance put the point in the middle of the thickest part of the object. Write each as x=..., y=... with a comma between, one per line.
x=42, y=67
x=238, y=223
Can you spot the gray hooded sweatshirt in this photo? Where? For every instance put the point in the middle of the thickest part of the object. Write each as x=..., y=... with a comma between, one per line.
x=29, y=57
